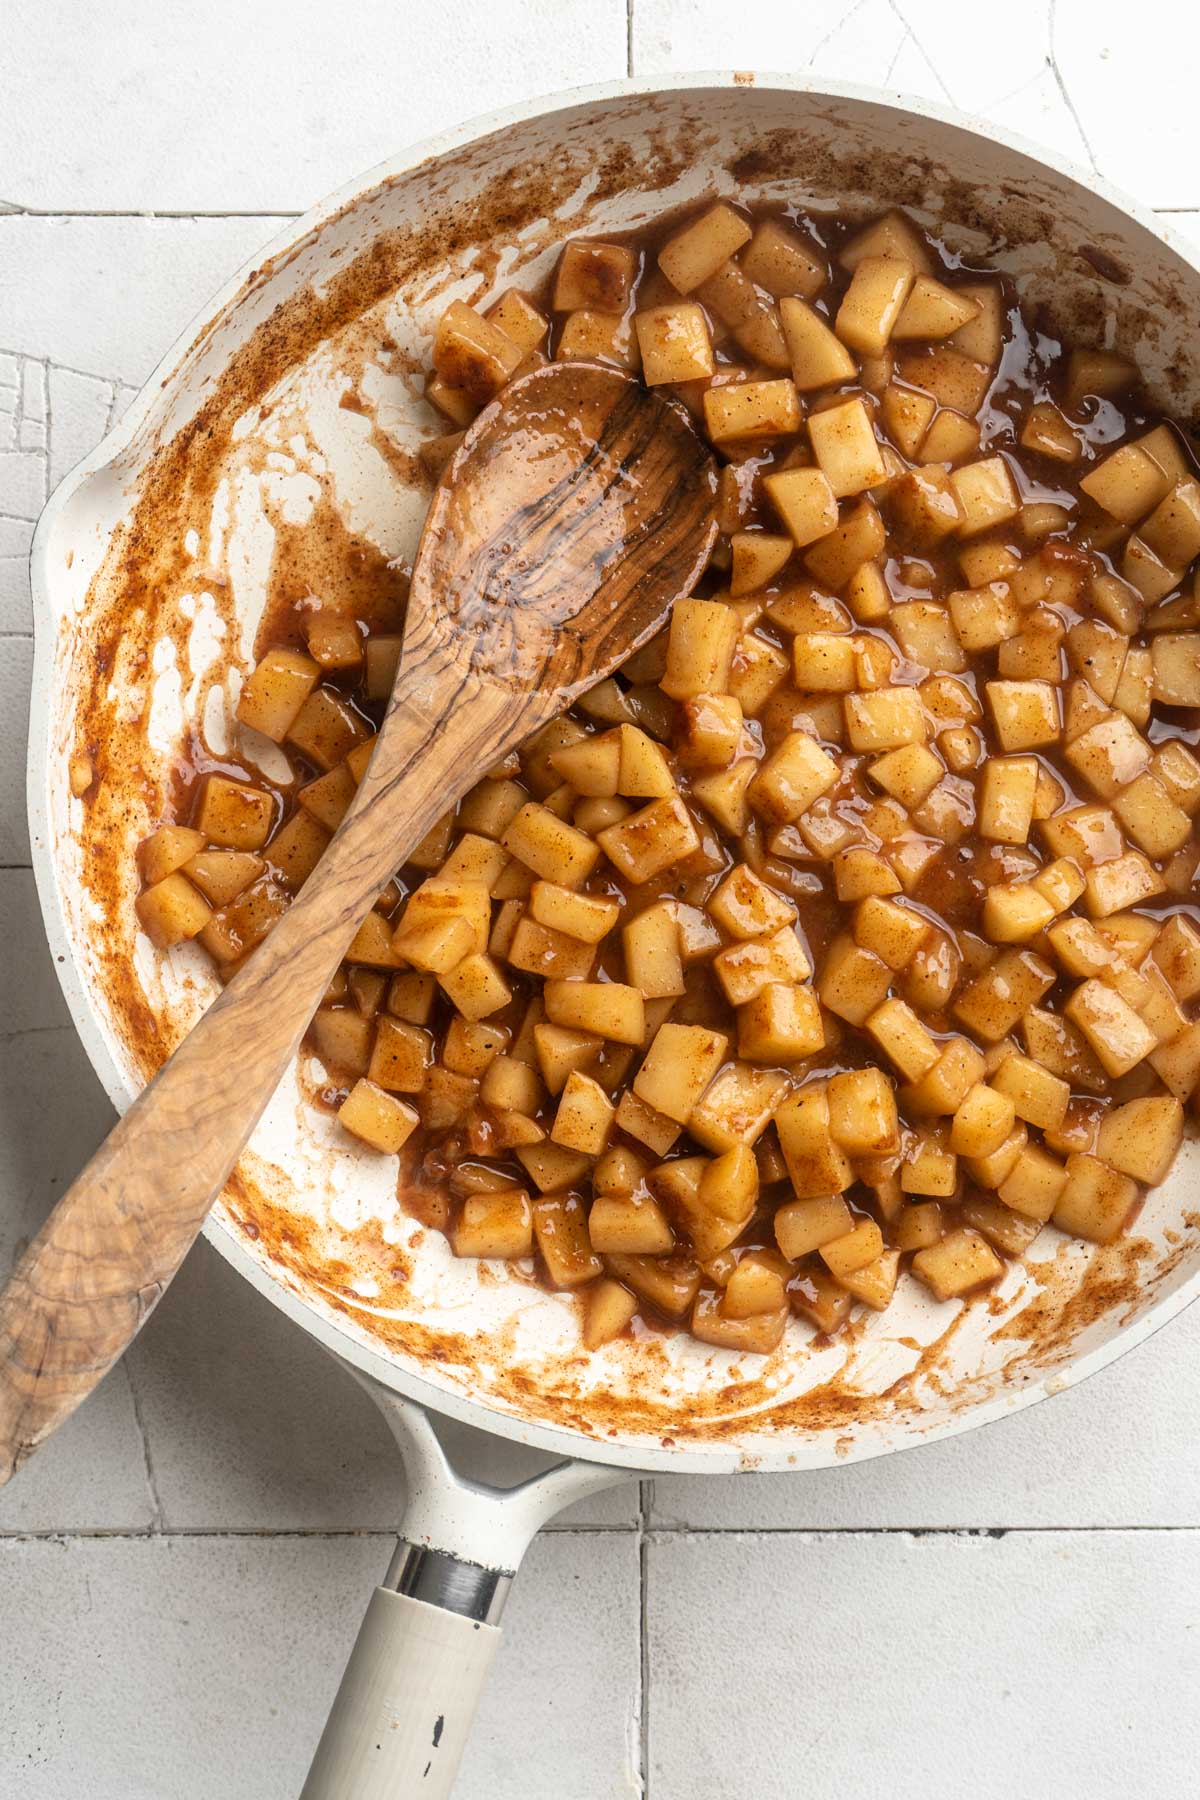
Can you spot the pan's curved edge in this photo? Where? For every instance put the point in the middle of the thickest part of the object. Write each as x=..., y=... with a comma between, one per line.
x=339, y=1339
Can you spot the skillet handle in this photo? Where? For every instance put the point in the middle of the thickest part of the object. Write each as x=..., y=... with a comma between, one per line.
x=403, y=1713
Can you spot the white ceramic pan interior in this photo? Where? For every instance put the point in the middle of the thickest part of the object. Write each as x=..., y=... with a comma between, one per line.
x=295, y=406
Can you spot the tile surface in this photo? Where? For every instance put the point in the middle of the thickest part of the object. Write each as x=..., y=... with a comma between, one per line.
x=183, y=1568
x=923, y=1668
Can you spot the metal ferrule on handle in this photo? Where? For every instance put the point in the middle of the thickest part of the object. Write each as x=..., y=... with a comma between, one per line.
x=403, y=1712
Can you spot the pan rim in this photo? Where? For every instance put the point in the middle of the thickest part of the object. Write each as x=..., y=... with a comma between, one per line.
x=796, y=1452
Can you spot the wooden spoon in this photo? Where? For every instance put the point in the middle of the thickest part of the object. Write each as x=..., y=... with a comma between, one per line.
x=578, y=507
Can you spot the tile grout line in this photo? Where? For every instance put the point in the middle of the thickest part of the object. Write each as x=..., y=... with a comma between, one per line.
x=645, y=1538
x=645, y=1506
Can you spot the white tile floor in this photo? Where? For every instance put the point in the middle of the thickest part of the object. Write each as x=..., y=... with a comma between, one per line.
x=183, y=1569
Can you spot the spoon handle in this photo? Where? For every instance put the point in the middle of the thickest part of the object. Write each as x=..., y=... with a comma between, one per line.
x=96, y=1269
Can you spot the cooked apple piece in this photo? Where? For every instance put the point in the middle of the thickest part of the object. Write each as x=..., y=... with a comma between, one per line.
x=853, y=981
x=858, y=873
x=942, y=1090
x=476, y=987
x=984, y=617
x=745, y=907
x=607, y=1310
x=891, y=236
x=471, y=1047
x=169, y=848
x=511, y=1086
x=781, y=261
x=668, y=1284
x=929, y=1167
x=744, y=969
x=560, y=1051
x=653, y=959
x=959, y=1263
x=1014, y=914
x=737, y=1106
x=519, y=319
x=1006, y=798
x=873, y=302
x=1179, y=773
x=592, y=767
x=1006, y=1230
x=1151, y=818
x=698, y=250
x=933, y=310
x=1128, y=484
x=825, y=663
x=846, y=448
x=982, y=1122
x=805, y=503
x=758, y=556
x=473, y=354
x=816, y=1165
x=1048, y=433
x=1125, y=882
x=171, y=912
x=649, y=841
x=607, y=1008
x=893, y=933
x=1097, y=372
x=401, y=1057
x=886, y=720
x=1147, y=572
x=796, y=773
x=379, y=1119
x=281, y=683
x=326, y=729
x=986, y=495
x=234, y=814
x=1025, y=713
x=588, y=917
x=560, y=1228
x=1176, y=951
x=862, y=1113
x=678, y=1067
x=1119, y=1038
x=710, y=731
x=235, y=930
x=924, y=507
x=1177, y=1064
x=925, y=633
x=901, y=1035
x=329, y=798
x=584, y=1117
x=499, y=1225
x=802, y=1226
x=700, y=647
x=838, y=558
x=757, y=1285
x=674, y=343
x=819, y=358
x=729, y=1184
x=629, y=1225
x=846, y=1255
x=1173, y=529
x=907, y=414
x=1096, y=1201
x=1176, y=665
x=991, y=1004
x=1038, y=1097
x=550, y=846
x=589, y=273
x=644, y=772
x=757, y=1335
x=956, y=381
x=491, y=806
x=1142, y=1137
x=1109, y=755
x=221, y=875
x=297, y=848
x=740, y=410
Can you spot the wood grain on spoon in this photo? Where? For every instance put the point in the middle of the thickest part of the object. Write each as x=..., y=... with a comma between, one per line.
x=578, y=507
